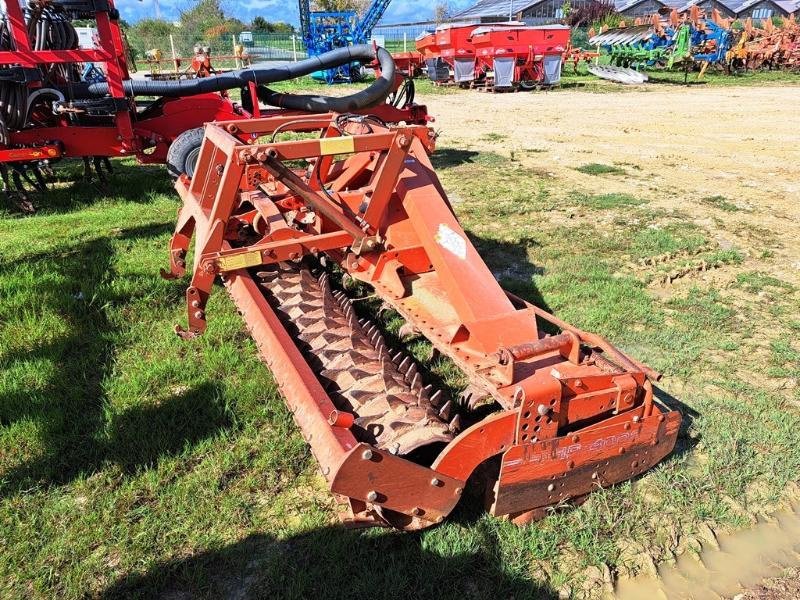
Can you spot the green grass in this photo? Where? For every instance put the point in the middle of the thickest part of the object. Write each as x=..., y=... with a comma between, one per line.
x=134, y=464
x=600, y=169
x=720, y=202
x=607, y=201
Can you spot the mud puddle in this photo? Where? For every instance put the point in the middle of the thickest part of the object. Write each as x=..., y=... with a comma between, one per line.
x=743, y=560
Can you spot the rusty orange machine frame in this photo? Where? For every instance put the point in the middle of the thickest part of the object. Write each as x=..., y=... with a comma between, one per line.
x=551, y=417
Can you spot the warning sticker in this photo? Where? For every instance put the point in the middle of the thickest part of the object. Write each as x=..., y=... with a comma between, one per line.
x=452, y=241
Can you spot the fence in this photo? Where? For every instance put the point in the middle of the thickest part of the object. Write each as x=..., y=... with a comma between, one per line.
x=260, y=46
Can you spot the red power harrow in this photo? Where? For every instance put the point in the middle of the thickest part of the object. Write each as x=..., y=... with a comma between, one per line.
x=280, y=221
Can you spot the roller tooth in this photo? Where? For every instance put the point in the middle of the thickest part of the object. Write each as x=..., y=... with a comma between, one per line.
x=415, y=382
x=436, y=398
x=423, y=398
x=455, y=424
x=446, y=410
x=383, y=389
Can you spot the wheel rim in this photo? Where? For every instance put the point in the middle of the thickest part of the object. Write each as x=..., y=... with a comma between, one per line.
x=191, y=162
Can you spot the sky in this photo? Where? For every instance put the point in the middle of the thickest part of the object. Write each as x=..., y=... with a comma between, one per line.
x=399, y=11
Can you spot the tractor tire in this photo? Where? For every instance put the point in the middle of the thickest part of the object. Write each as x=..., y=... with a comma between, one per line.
x=183, y=152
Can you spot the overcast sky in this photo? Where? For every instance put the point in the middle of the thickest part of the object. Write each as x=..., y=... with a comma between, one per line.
x=399, y=11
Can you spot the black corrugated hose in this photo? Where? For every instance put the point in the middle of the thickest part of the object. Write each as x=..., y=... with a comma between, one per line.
x=364, y=53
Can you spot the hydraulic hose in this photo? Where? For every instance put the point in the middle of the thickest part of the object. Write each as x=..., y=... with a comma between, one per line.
x=372, y=95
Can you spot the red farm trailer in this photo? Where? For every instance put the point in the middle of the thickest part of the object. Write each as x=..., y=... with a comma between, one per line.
x=524, y=57
x=456, y=50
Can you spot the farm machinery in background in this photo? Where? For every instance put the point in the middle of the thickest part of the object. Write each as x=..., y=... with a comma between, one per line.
x=305, y=219
x=683, y=41
x=766, y=47
x=497, y=57
x=60, y=101
x=325, y=31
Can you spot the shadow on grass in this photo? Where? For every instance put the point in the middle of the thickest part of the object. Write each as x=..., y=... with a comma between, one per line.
x=334, y=562
x=685, y=442
x=68, y=190
x=74, y=433
x=445, y=158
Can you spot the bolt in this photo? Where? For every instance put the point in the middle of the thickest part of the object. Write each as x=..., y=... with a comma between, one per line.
x=232, y=128
x=403, y=141
x=660, y=418
x=542, y=410
x=199, y=314
x=294, y=255
x=579, y=382
x=435, y=482
x=458, y=491
x=195, y=304
x=416, y=511
x=372, y=495
x=594, y=475
x=367, y=454
x=219, y=169
x=622, y=450
x=261, y=156
x=636, y=419
x=626, y=426
x=575, y=439
x=551, y=487
x=634, y=464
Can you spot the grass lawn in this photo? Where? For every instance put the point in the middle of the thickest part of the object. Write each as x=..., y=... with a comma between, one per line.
x=133, y=464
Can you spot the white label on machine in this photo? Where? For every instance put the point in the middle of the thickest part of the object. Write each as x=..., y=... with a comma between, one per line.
x=450, y=240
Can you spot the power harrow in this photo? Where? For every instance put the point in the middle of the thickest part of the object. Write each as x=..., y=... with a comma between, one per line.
x=285, y=209
x=60, y=101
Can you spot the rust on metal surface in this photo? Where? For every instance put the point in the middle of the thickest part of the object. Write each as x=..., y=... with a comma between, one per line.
x=544, y=418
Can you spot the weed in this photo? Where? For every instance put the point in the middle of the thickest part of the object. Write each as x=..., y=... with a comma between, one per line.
x=600, y=169
x=720, y=202
x=606, y=201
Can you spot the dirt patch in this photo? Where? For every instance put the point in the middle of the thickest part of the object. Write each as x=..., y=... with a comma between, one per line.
x=695, y=151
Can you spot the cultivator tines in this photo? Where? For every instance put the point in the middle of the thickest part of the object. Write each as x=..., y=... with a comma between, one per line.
x=547, y=417
x=768, y=46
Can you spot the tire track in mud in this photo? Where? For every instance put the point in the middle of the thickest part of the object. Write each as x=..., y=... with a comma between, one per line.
x=742, y=560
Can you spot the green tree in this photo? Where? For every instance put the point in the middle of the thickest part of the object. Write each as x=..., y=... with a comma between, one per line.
x=358, y=6
x=261, y=24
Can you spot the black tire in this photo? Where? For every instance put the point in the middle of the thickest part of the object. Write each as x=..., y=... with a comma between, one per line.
x=183, y=152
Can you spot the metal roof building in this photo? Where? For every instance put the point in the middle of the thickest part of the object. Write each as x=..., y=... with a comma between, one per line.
x=539, y=11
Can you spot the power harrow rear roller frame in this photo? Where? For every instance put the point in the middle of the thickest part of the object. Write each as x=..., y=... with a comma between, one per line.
x=561, y=414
